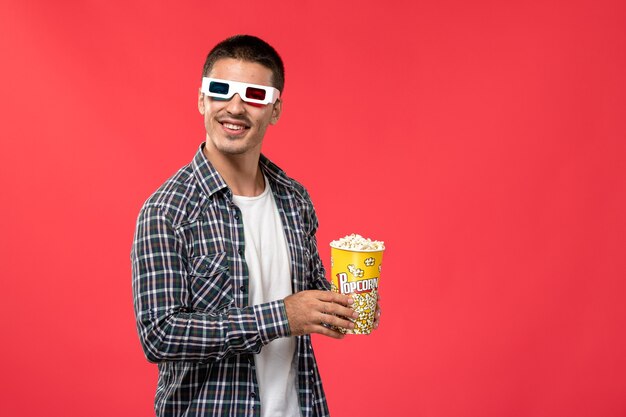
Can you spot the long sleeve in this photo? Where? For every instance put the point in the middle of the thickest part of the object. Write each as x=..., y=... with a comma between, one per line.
x=311, y=224
x=170, y=326
x=318, y=272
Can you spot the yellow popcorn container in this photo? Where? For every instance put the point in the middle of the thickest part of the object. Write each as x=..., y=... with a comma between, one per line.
x=357, y=272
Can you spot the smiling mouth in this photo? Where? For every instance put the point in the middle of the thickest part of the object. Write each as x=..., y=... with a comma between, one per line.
x=231, y=126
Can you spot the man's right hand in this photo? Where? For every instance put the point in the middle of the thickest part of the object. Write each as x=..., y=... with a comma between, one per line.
x=309, y=312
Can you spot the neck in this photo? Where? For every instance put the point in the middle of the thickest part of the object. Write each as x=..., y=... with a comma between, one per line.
x=241, y=173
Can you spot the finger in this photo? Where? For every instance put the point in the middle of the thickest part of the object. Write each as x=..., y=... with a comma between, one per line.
x=333, y=297
x=339, y=310
x=337, y=321
x=326, y=331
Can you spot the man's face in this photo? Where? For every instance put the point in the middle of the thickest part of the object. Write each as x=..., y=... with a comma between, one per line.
x=234, y=127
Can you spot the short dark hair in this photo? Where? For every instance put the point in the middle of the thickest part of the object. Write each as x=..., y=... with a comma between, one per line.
x=252, y=49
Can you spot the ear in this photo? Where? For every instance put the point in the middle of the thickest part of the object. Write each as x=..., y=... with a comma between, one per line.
x=200, y=102
x=276, y=111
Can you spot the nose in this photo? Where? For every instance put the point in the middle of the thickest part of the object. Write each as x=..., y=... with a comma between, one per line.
x=235, y=105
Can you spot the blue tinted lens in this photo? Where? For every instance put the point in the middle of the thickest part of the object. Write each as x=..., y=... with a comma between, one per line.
x=218, y=88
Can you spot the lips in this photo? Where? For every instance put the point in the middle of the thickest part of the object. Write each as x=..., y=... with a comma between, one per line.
x=234, y=127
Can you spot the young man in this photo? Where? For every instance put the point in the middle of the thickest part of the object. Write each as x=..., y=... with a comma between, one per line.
x=228, y=284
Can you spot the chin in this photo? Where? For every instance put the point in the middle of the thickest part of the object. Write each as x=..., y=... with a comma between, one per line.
x=232, y=150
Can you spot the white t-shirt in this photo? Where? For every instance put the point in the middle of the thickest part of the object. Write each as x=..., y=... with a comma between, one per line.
x=268, y=263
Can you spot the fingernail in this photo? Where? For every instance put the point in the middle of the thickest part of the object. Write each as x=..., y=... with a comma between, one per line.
x=355, y=315
x=350, y=300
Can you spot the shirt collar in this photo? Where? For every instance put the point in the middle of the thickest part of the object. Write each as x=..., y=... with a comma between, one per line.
x=211, y=181
x=273, y=172
x=207, y=176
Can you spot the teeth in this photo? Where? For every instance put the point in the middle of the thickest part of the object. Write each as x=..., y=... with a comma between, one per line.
x=233, y=127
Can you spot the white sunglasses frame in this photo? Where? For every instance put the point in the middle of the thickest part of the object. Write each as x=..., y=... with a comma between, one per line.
x=235, y=87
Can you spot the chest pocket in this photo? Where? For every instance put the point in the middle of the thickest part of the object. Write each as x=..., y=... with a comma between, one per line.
x=211, y=286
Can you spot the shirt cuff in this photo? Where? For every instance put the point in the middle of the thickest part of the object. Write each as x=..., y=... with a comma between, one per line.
x=271, y=320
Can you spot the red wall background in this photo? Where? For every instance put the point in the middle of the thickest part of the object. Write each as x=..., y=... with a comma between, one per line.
x=484, y=141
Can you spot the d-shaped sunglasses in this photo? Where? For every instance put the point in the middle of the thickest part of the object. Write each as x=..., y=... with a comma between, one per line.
x=251, y=93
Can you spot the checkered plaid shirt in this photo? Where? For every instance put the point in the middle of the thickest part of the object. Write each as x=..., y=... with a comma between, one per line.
x=190, y=290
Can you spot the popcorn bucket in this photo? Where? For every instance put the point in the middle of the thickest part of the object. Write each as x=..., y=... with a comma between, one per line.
x=357, y=272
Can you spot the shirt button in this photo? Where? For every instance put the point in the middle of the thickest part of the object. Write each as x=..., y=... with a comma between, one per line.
x=253, y=394
x=242, y=288
x=240, y=251
x=236, y=217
